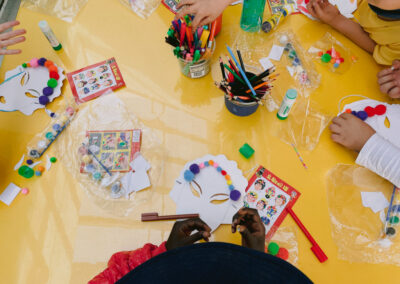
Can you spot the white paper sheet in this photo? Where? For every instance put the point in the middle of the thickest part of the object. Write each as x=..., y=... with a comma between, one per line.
x=266, y=63
x=276, y=52
x=374, y=200
x=9, y=194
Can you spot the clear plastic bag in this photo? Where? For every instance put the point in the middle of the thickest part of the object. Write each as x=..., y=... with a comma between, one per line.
x=332, y=54
x=286, y=238
x=143, y=8
x=109, y=113
x=357, y=230
x=64, y=9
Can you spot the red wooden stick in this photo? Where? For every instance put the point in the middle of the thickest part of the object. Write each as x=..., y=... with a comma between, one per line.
x=154, y=217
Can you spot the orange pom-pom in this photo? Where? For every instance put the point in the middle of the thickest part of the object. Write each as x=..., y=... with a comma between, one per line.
x=40, y=169
x=211, y=162
x=53, y=68
x=48, y=63
x=347, y=110
x=227, y=177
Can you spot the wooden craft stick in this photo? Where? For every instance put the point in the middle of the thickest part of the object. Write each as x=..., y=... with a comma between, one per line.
x=153, y=216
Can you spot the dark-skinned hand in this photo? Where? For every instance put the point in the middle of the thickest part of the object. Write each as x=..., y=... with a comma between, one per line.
x=250, y=227
x=181, y=233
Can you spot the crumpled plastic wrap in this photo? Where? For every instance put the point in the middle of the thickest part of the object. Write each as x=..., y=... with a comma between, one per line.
x=286, y=238
x=143, y=8
x=64, y=9
x=109, y=113
x=329, y=42
x=357, y=230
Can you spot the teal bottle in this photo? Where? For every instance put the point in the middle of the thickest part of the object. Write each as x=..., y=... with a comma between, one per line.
x=252, y=15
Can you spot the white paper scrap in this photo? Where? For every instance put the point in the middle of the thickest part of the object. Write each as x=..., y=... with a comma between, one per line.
x=10, y=193
x=374, y=200
x=266, y=63
x=140, y=163
x=18, y=165
x=276, y=52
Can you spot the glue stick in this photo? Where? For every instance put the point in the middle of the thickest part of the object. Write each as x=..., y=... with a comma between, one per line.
x=275, y=19
x=49, y=34
x=287, y=104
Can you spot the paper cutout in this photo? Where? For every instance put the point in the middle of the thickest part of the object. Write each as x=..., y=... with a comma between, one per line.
x=22, y=88
x=270, y=196
x=377, y=122
x=137, y=180
x=48, y=163
x=266, y=63
x=208, y=193
x=9, y=194
x=346, y=7
x=374, y=200
x=19, y=164
x=276, y=52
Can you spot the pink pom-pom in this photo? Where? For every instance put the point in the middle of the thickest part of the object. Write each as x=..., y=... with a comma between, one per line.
x=215, y=165
x=201, y=165
x=34, y=62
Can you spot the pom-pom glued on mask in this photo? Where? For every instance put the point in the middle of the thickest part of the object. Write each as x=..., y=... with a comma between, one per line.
x=24, y=86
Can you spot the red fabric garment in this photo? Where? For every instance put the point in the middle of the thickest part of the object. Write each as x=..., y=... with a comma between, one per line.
x=123, y=262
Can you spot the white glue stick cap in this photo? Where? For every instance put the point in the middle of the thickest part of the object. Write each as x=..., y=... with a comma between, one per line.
x=44, y=26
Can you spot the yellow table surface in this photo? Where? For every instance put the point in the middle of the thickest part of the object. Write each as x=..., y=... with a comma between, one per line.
x=56, y=235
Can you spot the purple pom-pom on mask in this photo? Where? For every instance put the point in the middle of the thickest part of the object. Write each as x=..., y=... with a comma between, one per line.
x=48, y=91
x=43, y=100
x=194, y=168
x=235, y=195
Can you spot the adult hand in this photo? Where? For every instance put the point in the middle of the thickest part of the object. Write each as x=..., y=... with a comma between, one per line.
x=10, y=38
x=389, y=80
x=250, y=227
x=205, y=11
x=181, y=234
x=323, y=11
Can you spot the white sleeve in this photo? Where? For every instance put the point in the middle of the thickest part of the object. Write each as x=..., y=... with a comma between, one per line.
x=381, y=157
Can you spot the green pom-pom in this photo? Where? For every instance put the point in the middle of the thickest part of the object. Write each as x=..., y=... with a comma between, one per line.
x=53, y=159
x=326, y=58
x=394, y=220
x=273, y=248
x=26, y=171
x=52, y=83
x=24, y=65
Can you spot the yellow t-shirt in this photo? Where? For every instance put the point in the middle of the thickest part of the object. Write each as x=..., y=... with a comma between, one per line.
x=386, y=34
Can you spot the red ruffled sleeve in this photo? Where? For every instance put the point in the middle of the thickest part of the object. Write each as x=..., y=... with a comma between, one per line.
x=123, y=262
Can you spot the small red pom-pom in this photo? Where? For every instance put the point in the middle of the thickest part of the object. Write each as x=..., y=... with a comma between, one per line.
x=320, y=53
x=341, y=59
x=223, y=172
x=380, y=109
x=370, y=111
x=347, y=110
x=54, y=75
x=283, y=254
x=329, y=52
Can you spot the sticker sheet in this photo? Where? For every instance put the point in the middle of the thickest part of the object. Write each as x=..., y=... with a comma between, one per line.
x=270, y=196
x=114, y=149
x=95, y=80
x=171, y=5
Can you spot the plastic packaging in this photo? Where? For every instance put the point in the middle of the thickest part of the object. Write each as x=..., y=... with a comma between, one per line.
x=143, y=8
x=109, y=113
x=64, y=9
x=286, y=238
x=357, y=230
x=252, y=15
x=49, y=34
x=332, y=54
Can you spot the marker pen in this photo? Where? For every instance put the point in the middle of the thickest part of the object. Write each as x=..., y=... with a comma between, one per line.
x=49, y=34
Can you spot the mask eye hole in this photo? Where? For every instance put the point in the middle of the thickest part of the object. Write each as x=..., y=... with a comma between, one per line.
x=29, y=95
x=2, y=100
x=24, y=79
x=195, y=188
x=387, y=122
x=219, y=198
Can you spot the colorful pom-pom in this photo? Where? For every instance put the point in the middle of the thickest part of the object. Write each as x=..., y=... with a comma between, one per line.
x=235, y=195
x=40, y=169
x=194, y=168
x=231, y=187
x=48, y=91
x=219, y=169
x=188, y=176
x=370, y=111
x=34, y=62
x=354, y=113
x=52, y=83
x=54, y=75
x=44, y=100
x=211, y=162
x=48, y=63
x=380, y=109
x=29, y=162
x=53, y=160
x=24, y=65
x=362, y=115
x=273, y=248
x=227, y=177
x=53, y=68
x=25, y=191
x=38, y=173
x=229, y=182
x=336, y=65
x=347, y=110
x=223, y=172
x=320, y=53
x=215, y=165
x=201, y=166
x=283, y=254
x=42, y=61
x=206, y=164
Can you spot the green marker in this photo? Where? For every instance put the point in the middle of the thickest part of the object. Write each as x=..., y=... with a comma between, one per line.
x=287, y=104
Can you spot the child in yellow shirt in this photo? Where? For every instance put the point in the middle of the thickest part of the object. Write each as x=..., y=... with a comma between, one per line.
x=378, y=30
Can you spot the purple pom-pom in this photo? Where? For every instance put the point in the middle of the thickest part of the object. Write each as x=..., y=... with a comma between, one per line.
x=48, y=91
x=29, y=162
x=42, y=61
x=194, y=168
x=363, y=115
x=43, y=100
x=235, y=195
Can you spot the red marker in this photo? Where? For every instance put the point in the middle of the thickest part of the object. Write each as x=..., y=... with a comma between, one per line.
x=183, y=31
x=315, y=247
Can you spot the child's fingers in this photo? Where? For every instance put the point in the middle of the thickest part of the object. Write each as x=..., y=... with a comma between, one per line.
x=198, y=21
x=396, y=64
x=205, y=21
x=9, y=51
x=394, y=93
x=335, y=128
x=339, y=120
x=384, y=72
x=12, y=41
x=337, y=138
x=12, y=34
x=8, y=25
x=185, y=2
x=310, y=8
x=318, y=8
x=186, y=10
x=385, y=88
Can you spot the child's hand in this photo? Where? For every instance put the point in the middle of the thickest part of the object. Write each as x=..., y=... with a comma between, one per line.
x=205, y=11
x=350, y=131
x=389, y=80
x=10, y=38
x=323, y=10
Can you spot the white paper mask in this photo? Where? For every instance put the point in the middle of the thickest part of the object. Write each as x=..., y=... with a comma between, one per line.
x=22, y=88
x=346, y=7
x=377, y=122
x=208, y=193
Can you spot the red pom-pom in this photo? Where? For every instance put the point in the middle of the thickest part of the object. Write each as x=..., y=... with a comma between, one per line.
x=283, y=254
x=320, y=53
x=223, y=173
x=380, y=109
x=370, y=111
x=54, y=75
x=329, y=52
x=347, y=110
x=341, y=59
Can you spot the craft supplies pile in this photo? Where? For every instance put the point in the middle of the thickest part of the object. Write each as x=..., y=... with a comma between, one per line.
x=117, y=159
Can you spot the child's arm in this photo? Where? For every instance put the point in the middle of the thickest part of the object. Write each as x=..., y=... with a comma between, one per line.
x=329, y=14
x=205, y=11
x=381, y=157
